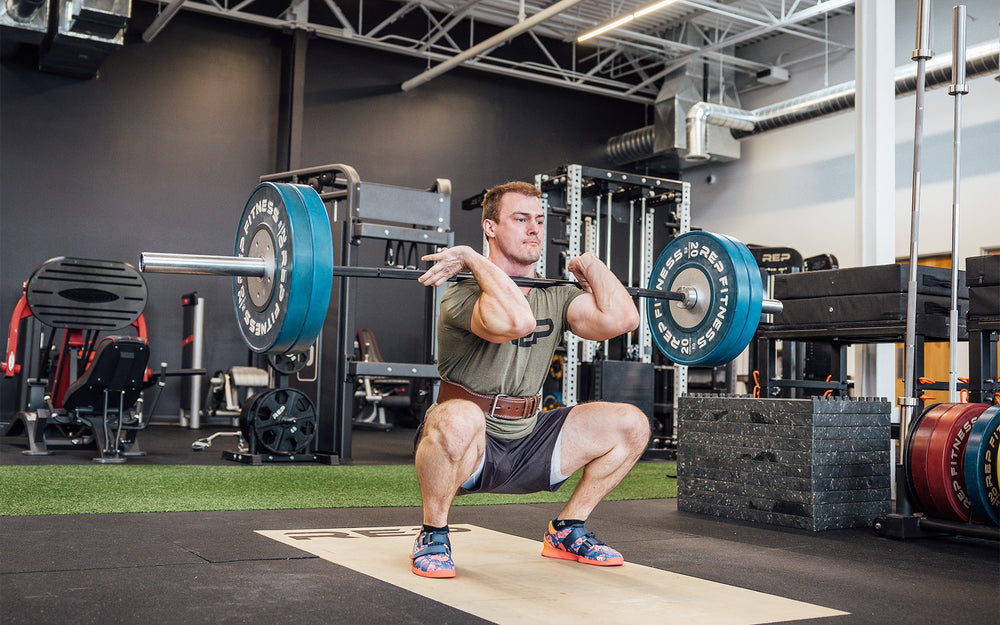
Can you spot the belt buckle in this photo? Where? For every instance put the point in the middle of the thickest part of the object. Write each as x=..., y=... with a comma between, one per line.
x=496, y=399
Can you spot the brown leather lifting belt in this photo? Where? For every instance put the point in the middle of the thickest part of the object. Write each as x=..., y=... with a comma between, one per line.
x=501, y=406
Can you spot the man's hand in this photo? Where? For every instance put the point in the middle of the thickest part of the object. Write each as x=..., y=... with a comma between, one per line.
x=608, y=310
x=578, y=267
x=447, y=264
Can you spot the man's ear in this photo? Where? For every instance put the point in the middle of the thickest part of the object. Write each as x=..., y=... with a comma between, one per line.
x=489, y=227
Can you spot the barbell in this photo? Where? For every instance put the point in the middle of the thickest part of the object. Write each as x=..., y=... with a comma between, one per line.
x=283, y=270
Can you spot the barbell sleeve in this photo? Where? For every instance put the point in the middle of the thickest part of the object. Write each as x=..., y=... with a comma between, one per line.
x=771, y=307
x=203, y=264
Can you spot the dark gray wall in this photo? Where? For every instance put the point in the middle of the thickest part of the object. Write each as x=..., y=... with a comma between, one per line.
x=161, y=151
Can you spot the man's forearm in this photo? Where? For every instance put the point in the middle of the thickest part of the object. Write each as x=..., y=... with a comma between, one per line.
x=502, y=312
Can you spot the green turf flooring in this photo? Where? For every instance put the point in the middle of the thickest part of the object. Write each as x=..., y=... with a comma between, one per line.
x=102, y=489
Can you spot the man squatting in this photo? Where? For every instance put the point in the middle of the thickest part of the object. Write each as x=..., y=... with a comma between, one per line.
x=495, y=346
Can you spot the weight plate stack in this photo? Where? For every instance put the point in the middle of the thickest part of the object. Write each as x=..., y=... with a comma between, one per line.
x=935, y=410
x=919, y=450
x=707, y=333
x=272, y=310
x=322, y=266
x=756, y=298
x=946, y=467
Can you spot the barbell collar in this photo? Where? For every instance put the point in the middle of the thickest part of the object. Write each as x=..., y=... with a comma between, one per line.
x=204, y=265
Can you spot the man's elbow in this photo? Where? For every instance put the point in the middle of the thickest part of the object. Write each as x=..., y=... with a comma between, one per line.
x=632, y=321
x=521, y=326
x=513, y=329
x=628, y=321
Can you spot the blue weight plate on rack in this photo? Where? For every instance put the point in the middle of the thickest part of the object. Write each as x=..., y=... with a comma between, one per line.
x=707, y=332
x=755, y=294
x=322, y=268
x=271, y=310
x=981, y=469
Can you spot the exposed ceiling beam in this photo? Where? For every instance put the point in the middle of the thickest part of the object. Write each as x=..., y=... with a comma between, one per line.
x=744, y=36
x=488, y=44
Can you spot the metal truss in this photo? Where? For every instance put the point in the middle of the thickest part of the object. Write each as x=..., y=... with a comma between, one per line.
x=536, y=39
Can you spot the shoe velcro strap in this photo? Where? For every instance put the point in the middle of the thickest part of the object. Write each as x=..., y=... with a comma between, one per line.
x=589, y=540
x=437, y=543
x=433, y=549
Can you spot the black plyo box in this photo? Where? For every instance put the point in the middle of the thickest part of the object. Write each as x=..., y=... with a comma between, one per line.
x=813, y=463
x=625, y=381
x=865, y=280
x=984, y=301
x=816, y=519
x=982, y=270
x=863, y=307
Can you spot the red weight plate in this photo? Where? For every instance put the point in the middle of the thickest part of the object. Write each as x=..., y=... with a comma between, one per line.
x=946, y=463
x=918, y=451
x=913, y=427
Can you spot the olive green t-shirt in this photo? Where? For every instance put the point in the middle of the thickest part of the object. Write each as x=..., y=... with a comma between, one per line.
x=515, y=367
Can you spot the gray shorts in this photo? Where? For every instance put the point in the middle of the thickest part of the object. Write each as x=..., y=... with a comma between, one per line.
x=523, y=465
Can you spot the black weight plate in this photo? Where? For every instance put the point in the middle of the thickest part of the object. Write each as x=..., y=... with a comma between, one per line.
x=245, y=421
x=288, y=363
x=281, y=421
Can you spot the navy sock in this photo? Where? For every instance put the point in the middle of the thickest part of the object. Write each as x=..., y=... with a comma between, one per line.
x=429, y=528
x=560, y=524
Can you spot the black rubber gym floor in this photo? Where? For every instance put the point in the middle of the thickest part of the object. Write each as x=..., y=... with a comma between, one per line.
x=211, y=567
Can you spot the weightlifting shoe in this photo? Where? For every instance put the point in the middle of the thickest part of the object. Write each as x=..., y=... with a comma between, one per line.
x=574, y=542
x=432, y=555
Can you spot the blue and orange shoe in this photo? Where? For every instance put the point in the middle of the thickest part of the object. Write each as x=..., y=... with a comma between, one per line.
x=432, y=555
x=576, y=543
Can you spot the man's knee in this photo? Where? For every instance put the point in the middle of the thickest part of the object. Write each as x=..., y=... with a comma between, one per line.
x=634, y=423
x=454, y=425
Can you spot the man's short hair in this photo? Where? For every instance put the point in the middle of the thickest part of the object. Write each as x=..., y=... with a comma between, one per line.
x=491, y=201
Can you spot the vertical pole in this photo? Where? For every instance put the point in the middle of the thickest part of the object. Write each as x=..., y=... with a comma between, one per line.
x=631, y=261
x=957, y=88
x=908, y=403
x=874, y=171
x=574, y=232
x=197, y=362
x=607, y=260
x=290, y=105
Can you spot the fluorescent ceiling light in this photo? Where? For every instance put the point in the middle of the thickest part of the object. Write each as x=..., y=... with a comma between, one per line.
x=820, y=7
x=607, y=27
x=653, y=7
x=623, y=20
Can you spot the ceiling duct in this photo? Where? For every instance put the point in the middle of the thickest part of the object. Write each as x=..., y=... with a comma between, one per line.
x=665, y=141
x=25, y=21
x=981, y=59
x=86, y=33
x=704, y=119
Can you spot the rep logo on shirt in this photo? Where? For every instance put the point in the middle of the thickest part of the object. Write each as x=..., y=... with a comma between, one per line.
x=542, y=329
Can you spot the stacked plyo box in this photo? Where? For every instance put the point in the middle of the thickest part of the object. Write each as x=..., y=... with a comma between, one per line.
x=873, y=296
x=982, y=275
x=813, y=463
